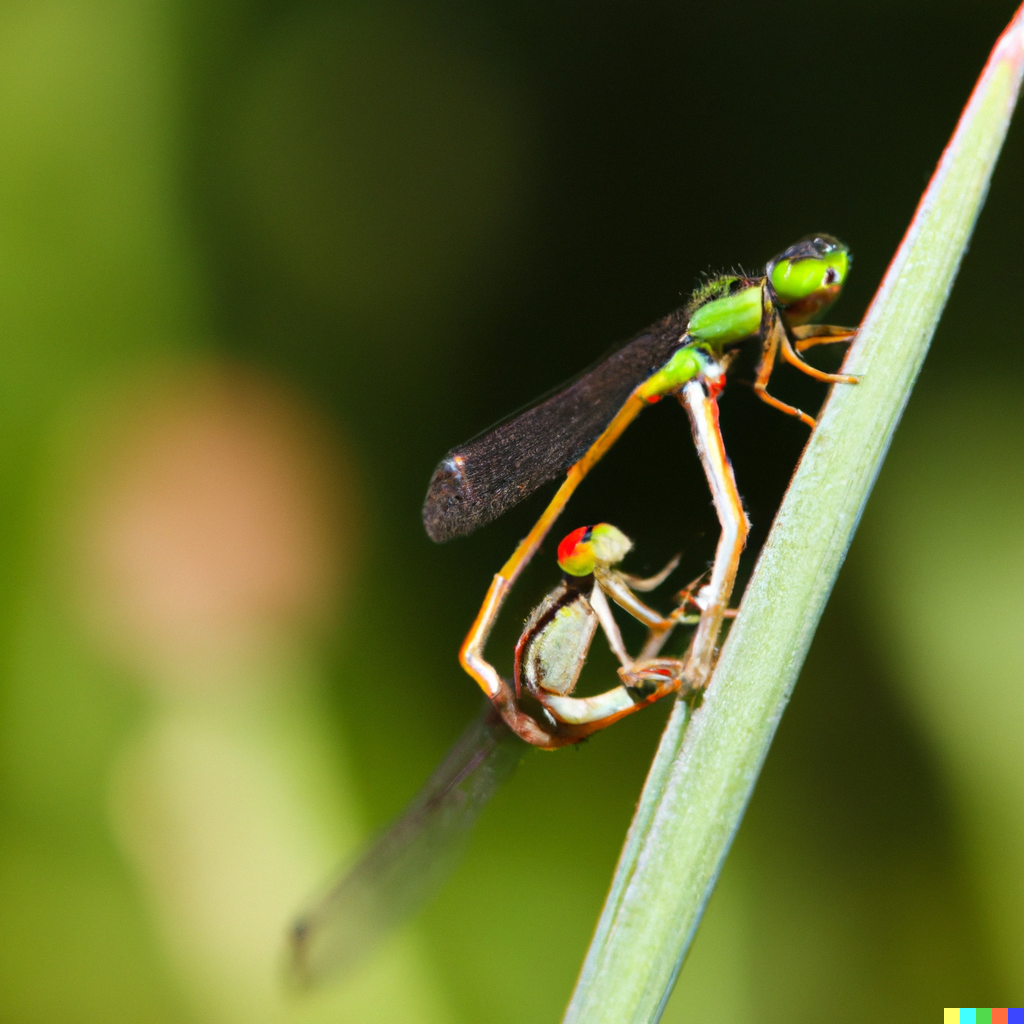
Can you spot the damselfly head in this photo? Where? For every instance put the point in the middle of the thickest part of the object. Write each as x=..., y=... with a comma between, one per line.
x=808, y=276
x=591, y=547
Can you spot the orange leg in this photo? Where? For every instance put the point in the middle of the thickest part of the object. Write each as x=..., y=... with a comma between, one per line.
x=809, y=335
x=703, y=411
x=584, y=716
x=643, y=680
x=471, y=654
x=793, y=359
x=764, y=371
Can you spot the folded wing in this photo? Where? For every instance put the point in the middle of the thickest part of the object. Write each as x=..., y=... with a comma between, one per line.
x=485, y=477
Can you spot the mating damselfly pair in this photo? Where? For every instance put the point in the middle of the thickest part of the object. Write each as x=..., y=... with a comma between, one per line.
x=685, y=355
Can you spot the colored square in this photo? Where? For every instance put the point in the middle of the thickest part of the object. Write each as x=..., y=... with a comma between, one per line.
x=951, y=1015
x=984, y=1014
x=968, y=1015
x=999, y=1015
x=1015, y=1015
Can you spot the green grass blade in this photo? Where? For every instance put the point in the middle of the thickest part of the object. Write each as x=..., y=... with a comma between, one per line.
x=704, y=771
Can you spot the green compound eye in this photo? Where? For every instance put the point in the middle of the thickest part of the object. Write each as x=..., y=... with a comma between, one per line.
x=808, y=276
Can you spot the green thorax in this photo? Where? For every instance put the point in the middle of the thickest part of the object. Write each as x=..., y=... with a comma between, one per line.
x=724, y=311
x=798, y=284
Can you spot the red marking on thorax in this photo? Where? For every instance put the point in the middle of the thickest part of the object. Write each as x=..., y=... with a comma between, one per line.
x=715, y=385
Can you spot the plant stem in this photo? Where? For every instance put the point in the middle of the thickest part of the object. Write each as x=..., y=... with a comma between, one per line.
x=704, y=772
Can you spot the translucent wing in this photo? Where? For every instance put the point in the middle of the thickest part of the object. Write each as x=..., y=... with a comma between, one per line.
x=403, y=867
x=485, y=477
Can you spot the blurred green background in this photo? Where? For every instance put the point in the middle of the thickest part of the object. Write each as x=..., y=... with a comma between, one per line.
x=261, y=265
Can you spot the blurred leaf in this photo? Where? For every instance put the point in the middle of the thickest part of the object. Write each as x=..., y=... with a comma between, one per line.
x=943, y=557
